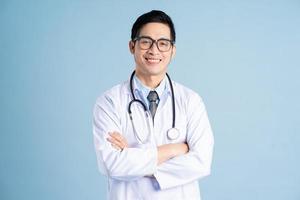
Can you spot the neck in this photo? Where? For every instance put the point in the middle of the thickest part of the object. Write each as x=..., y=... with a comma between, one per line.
x=151, y=81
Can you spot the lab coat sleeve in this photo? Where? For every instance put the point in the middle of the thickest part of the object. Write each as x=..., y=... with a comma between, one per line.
x=129, y=164
x=197, y=162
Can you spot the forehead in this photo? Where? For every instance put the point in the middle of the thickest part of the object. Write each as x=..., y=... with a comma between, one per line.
x=156, y=30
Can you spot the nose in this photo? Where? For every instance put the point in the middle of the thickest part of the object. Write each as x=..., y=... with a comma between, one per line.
x=154, y=49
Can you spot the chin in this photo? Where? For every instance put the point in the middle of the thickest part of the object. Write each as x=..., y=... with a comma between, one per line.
x=154, y=71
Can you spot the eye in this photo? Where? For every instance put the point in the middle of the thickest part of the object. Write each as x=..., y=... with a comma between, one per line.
x=163, y=43
x=145, y=41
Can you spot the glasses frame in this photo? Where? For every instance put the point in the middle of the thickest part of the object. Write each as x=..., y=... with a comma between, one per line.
x=154, y=41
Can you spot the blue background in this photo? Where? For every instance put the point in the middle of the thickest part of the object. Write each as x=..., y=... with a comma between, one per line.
x=56, y=57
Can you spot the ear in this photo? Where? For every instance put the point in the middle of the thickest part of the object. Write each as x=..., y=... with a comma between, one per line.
x=131, y=47
x=173, y=53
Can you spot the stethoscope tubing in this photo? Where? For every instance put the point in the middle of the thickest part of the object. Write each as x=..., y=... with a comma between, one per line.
x=173, y=101
x=144, y=106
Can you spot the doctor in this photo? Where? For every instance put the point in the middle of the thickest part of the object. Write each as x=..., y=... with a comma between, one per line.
x=152, y=135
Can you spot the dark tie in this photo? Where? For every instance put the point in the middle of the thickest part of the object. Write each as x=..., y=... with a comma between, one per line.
x=153, y=102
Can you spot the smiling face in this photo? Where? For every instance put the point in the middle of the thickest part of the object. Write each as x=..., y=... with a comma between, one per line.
x=151, y=64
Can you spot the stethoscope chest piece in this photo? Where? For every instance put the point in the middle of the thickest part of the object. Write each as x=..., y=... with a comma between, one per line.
x=173, y=134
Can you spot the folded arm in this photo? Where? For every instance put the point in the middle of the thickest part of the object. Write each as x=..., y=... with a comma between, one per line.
x=164, y=152
x=197, y=162
x=122, y=165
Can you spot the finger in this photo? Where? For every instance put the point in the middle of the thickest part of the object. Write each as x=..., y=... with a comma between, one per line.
x=121, y=138
x=116, y=139
x=117, y=136
x=116, y=142
x=113, y=141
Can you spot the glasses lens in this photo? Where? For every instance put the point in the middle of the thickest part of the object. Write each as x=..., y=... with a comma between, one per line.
x=164, y=45
x=145, y=43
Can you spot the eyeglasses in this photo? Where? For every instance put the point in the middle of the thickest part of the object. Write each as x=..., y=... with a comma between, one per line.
x=146, y=43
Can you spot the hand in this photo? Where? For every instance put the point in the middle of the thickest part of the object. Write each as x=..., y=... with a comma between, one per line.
x=168, y=151
x=182, y=148
x=117, y=140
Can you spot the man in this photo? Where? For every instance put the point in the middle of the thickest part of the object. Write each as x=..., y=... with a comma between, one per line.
x=163, y=156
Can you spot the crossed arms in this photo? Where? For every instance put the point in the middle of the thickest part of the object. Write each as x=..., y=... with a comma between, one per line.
x=171, y=164
x=164, y=152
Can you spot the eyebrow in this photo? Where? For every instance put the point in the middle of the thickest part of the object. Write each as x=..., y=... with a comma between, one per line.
x=146, y=36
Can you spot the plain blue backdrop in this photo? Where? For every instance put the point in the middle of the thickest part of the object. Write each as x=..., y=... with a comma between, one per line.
x=56, y=57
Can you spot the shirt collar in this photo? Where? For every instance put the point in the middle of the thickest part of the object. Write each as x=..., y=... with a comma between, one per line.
x=143, y=90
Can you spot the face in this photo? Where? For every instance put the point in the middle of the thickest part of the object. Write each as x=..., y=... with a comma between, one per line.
x=152, y=62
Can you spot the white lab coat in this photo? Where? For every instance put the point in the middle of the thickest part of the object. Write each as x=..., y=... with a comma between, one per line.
x=133, y=173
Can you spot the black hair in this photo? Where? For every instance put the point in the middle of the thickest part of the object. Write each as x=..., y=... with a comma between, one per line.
x=152, y=16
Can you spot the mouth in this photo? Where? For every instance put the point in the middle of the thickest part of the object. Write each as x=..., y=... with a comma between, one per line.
x=153, y=60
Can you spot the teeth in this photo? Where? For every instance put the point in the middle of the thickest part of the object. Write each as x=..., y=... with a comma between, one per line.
x=153, y=60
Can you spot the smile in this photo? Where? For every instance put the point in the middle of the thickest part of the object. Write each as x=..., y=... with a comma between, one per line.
x=153, y=60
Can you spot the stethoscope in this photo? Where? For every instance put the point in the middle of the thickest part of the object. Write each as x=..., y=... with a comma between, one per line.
x=172, y=133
